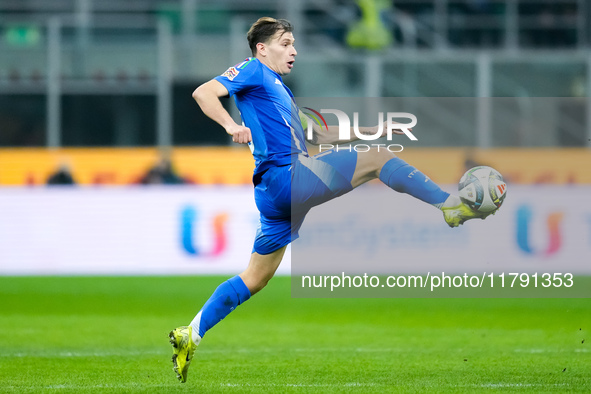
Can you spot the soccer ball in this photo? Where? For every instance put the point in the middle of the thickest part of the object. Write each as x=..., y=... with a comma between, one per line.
x=483, y=189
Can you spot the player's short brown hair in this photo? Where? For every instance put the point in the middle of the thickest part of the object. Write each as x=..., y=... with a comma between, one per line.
x=265, y=28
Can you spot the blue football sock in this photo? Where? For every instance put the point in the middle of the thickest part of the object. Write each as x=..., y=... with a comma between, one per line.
x=224, y=300
x=404, y=178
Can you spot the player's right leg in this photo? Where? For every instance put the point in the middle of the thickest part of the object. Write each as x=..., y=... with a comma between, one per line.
x=224, y=300
x=261, y=269
x=185, y=339
x=272, y=237
x=183, y=349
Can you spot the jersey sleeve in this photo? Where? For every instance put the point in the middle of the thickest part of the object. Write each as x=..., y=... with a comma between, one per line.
x=241, y=77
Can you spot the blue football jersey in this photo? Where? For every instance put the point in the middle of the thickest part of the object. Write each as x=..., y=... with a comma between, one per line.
x=268, y=109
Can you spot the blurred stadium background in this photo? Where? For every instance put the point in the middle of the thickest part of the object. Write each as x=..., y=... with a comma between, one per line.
x=95, y=95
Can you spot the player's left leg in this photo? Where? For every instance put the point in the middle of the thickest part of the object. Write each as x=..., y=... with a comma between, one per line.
x=404, y=178
x=398, y=175
x=342, y=171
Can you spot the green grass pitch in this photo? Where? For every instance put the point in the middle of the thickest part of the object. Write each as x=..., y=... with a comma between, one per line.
x=109, y=334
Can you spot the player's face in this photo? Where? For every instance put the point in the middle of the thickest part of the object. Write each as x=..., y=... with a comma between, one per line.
x=279, y=53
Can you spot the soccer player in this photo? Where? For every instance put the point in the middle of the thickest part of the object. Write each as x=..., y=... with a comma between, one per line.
x=288, y=182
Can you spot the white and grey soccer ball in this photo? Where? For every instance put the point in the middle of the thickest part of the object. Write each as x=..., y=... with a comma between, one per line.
x=483, y=189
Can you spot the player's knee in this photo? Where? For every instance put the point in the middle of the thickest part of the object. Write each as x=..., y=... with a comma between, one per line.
x=383, y=154
x=376, y=158
x=369, y=164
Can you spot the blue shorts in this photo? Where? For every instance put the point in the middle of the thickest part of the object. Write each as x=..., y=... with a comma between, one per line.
x=285, y=194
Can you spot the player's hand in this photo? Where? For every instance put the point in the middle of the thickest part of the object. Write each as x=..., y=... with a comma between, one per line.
x=240, y=134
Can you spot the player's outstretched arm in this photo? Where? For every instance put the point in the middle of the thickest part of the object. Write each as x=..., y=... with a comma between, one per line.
x=208, y=97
